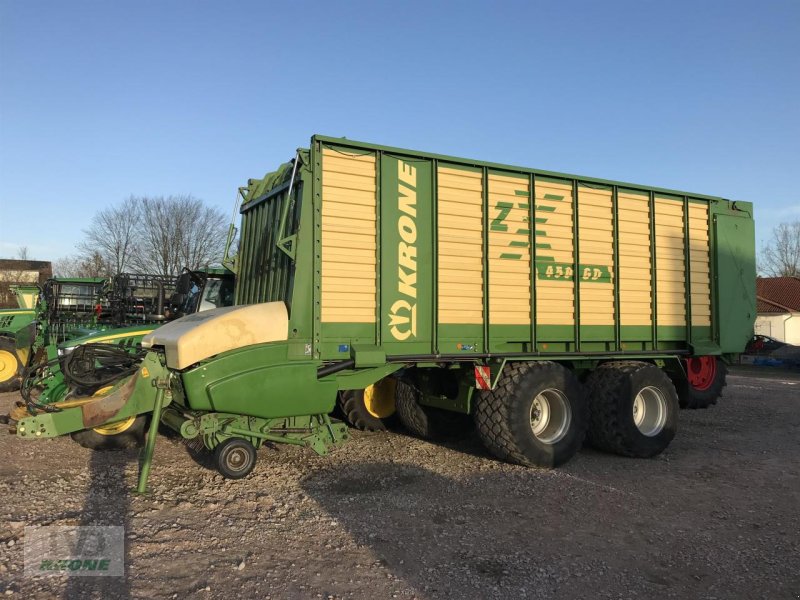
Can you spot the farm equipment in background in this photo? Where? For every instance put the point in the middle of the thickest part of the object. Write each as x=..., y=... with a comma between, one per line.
x=27, y=295
x=546, y=307
x=13, y=320
x=73, y=305
x=139, y=298
x=135, y=304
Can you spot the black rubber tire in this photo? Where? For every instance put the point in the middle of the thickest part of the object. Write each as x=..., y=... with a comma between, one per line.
x=133, y=437
x=427, y=422
x=503, y=415
x=692, y=398
x=14, y=383
x=613, y=387
x=231, y=449
x=351, y=404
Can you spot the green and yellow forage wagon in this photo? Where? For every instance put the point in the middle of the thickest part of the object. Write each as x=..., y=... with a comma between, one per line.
x=376, y=282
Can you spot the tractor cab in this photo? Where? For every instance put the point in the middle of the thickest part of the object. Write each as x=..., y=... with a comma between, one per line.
x=197, y=291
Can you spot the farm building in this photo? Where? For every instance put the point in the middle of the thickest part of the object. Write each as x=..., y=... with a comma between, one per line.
x=778, y=305
x=21, y=272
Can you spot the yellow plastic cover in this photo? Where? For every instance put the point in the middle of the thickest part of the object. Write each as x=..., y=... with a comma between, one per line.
x=196, y=337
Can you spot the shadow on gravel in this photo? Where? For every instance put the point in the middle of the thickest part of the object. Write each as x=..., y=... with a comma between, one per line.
x=518, y=533
x=464, y=440
x=107, y=502
x=445, y=538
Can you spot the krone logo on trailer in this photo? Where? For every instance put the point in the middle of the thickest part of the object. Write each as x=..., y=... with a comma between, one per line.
x=403, y=313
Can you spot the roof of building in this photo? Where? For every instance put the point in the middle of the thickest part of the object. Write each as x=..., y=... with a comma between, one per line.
x=778, y=294
x=10, y=264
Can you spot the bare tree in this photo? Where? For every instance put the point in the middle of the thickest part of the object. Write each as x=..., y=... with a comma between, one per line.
x=95, y=265
x=92, y=264
x=155, y=235
x=113, y=234
x=177, y=232
x=23, y=254
x=66, y=266
x=781, y=256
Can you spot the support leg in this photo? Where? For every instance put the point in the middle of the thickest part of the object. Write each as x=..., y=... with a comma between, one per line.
x=147, y=456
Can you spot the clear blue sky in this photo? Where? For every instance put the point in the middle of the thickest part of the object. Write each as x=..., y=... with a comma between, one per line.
x=103, y=99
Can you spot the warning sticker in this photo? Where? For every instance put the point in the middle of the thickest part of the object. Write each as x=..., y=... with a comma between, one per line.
x=483, y=377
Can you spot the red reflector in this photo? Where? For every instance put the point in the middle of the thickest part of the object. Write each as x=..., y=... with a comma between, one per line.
x=483, y=378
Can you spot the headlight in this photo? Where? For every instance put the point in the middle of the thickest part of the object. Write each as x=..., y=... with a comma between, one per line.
x=65, y=351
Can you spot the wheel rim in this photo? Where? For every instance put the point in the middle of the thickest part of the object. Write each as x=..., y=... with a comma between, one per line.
x=8, y=365
x=550, y=416
x=379, y=398
x=237, y=459
x=650, y=411
x=701, y=371
x=116, y=427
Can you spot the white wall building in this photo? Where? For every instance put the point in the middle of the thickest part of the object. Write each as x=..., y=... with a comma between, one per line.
x=778, y=300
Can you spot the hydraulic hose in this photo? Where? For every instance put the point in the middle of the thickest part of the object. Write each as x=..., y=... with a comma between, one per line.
x=97, y=365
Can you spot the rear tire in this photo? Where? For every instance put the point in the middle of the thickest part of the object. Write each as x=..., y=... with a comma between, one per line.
x=537, y=415
x=634, y=409
x=10, y=366
x=370, y=409
x=703, y=383
x=132, y=436
x=427, y=422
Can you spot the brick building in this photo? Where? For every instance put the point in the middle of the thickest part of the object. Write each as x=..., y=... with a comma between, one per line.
x=15, y=272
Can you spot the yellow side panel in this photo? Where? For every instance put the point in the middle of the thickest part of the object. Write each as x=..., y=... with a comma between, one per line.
x=595, y=233
x=670, y=263
x=460, y=229
x=555, y=292
x=635, y=291
x=349, y=239
x=700, y=265
x=509, y=251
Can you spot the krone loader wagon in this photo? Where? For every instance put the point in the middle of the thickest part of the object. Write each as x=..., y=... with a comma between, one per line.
x=548, y=308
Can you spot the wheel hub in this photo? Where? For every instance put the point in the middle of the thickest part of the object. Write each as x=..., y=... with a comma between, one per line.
x=550, y=416
x=650, y=411
x=237, y=459
x=379, y=398
x=111, y=428
x=115, y=428
x=701, y=371
x=8, y=365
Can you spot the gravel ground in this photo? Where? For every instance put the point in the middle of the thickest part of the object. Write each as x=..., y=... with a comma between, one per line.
x=715, y=516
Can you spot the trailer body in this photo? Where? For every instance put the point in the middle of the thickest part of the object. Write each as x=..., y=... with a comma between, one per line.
x=384, y=251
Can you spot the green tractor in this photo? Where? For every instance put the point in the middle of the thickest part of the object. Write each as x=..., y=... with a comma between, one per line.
x=13, y=320
x=70, y=303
